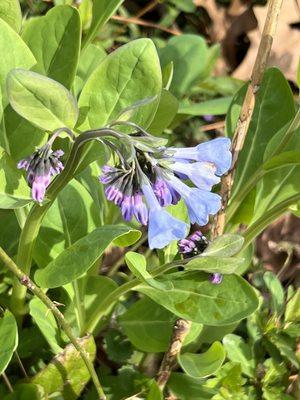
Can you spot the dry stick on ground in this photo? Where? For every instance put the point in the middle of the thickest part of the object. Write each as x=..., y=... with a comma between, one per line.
x=180, y=330
x=237, y=144
x=148, y=7
x=26, y=281
x=141, y=22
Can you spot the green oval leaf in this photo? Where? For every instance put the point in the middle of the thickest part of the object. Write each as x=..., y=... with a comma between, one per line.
x=195, y=298
x=102, y=11
x=14, y=191
x=205, y=364
x=42, y=101
x=209, y=107
x=149, y=326
x=10, y=12
x=224, y=265
x=129, y=74
x=17, y=54
x=78, y=258
x=138, y=266
x=55, y=42
x=224, y=246
x=8, y=339
x=239, y=351
x=178, y=50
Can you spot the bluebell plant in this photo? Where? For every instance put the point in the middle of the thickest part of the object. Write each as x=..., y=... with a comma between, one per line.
x=151, y=178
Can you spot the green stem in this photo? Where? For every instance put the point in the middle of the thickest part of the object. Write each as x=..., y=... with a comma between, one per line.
x=37, y=213
x=121, y=291
x=259, y=225
x=79, y=307
x=29, y=284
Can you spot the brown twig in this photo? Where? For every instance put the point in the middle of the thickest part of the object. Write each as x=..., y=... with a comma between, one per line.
x=248, y=107
x=7, y=382
x=211, y=127
x=180, y=330
x=237, y=144
x=141, y=22
x=148, y=7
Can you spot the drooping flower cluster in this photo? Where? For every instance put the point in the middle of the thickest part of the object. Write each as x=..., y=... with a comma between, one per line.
x=40, y=167
x=157, y=176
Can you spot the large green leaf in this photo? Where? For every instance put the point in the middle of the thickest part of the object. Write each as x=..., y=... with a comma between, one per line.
x=42, y=101
x=187, y=388
x=137, y=264
x=78, y=258
x=203, y=364
x=21, y=136
x=55, y=42
x=72, y=216
x=195, y=298
x=224, y=265
x=46, y=322
x=166, y=111
x=102, y=11
x=59, y=375
x=149, y=326
x=127, y=75
x=17, y=55
x=217, y=106
x=270, y=114
x=239, y=351
x=8, y=339
x=188, y=54
x=224, y=246
x=14, y=191
x=280, y=184
x=10, y=12
x=89, y=60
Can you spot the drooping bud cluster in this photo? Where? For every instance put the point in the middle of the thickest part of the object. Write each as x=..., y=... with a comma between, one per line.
x=40, y=167
x=193, y=245
x=154, y=180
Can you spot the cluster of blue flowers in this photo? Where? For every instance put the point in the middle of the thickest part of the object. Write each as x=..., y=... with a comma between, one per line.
x=158, y=178
x=154, y=178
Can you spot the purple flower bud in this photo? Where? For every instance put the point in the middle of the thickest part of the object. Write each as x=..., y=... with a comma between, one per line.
x=40, y=167
x=193, y=244
x=114, y=194
x=127, y=207
x=162, y=192
x=216, y=278
x=140, y=209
